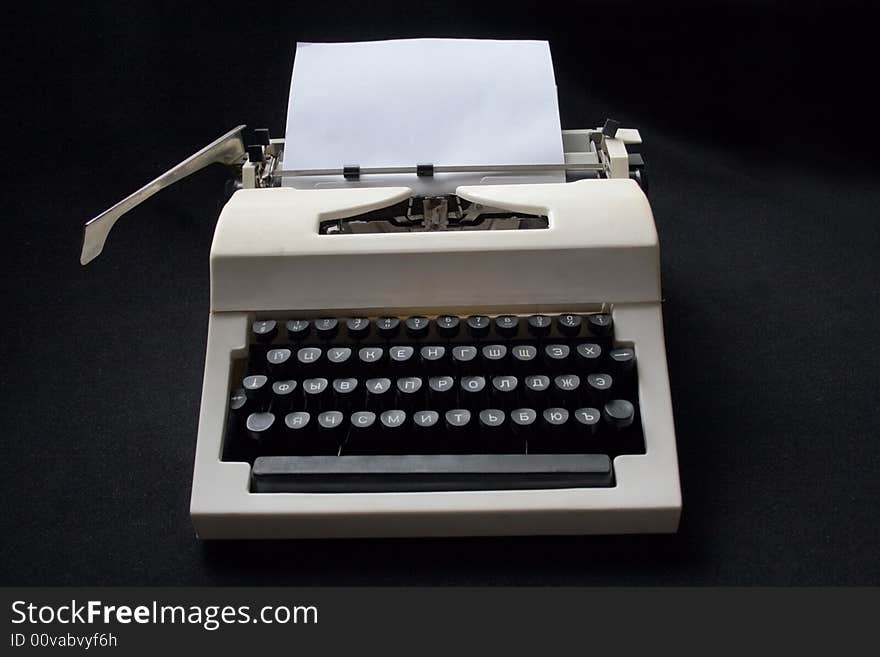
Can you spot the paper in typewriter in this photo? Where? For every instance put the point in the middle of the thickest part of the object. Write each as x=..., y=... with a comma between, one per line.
x=422, y=101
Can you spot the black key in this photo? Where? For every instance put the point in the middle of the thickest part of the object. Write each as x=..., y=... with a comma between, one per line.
x=432, y=357
x=556, y=356
x=339, y=358
x=298, y=329
x=347, y=392
x=307, y=358
x=388, y=327
x=566, y=388
x=494, y=357
x=463, y=356
x=371, y=357
x=619, y=413
x=409, y=392
x=507, y=325
x=315, y=393
x=417, y=326
x=457, y=436
x=278, y=360
x=569, y=324
x=601, y=324
x=401, y=357
x=478, y=326
x=598, y=386
x=551, y=437
x=413, y=473
x=393, y=434
x=426, y=433
x=522, y=422
x=447, y=325
x=357, y=327
x=361, y=433
x=441, y=391
x=503, y=392
x=297, y=422
x=586, y=421
x=298, y=436
x=493, y=432
x=554, y=418
x=539, y=325
x=326, y=327
x=472, y=391
x=379, y=395
x=523, y=356
x=264, y=330
x=623, y=360
x=284, y=394
x=331, y=430
x=237, y=400
x=535, y=387
x=256, y=387
x=587, y=356
x=259, y=426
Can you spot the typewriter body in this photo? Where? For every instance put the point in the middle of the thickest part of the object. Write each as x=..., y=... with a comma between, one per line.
x=385, y=362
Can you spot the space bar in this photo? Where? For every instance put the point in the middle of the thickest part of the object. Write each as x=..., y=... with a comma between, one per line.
x=412, y=473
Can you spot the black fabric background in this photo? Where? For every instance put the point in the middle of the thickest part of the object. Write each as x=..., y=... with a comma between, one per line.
x=760, y=141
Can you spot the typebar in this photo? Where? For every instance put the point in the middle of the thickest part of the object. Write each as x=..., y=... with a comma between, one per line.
x=440, y=472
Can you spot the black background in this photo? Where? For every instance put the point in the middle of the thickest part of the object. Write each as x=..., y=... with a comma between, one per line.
x=760, y=140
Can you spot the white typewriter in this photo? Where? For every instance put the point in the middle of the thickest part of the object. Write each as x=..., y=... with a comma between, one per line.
x=387, y=361
x=384, y=364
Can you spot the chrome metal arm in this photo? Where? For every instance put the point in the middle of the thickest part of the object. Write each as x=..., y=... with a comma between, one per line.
x=228, y=149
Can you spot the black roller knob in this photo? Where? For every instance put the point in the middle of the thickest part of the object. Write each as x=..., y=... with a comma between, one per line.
x=619, y=413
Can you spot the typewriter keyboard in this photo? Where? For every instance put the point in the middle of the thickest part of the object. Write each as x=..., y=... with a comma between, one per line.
x=445, y=402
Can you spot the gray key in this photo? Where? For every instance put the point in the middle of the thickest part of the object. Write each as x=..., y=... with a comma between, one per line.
x=494, y=352
x=338, y=355
x=255, y=386
x=426, y=419
x=409, y=384
x=370, y=354
x=567, y=382
x=473, y=383
x=308, y=355
x=458, y=417
x=237, y=400
x=363, y=419
x=587, y=419
x=523, y=417
x=297, y=421
x=345, y=386
x=259, y=425
x=588, y=354
x=393, y=419
x=619, y=413
x=557, y=352
x=264, y=329
x=314, y=386
x=330, y=420
x=401, y=353
x=277, y=357
x=524, y=353
x=491, y=418
x=432, y=353
x=555, y=417
x=378, y=386
x=464, y=354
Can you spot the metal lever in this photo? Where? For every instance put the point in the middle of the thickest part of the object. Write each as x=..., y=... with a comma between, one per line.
x=228, y=149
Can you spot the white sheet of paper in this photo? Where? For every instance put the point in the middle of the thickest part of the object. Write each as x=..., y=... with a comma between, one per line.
x=422, y=101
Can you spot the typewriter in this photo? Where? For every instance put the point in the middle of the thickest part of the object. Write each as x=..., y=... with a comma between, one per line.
x=383, y=362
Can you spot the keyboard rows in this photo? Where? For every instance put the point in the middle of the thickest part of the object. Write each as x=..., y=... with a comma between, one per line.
x=454, y=431
x=441, y=327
